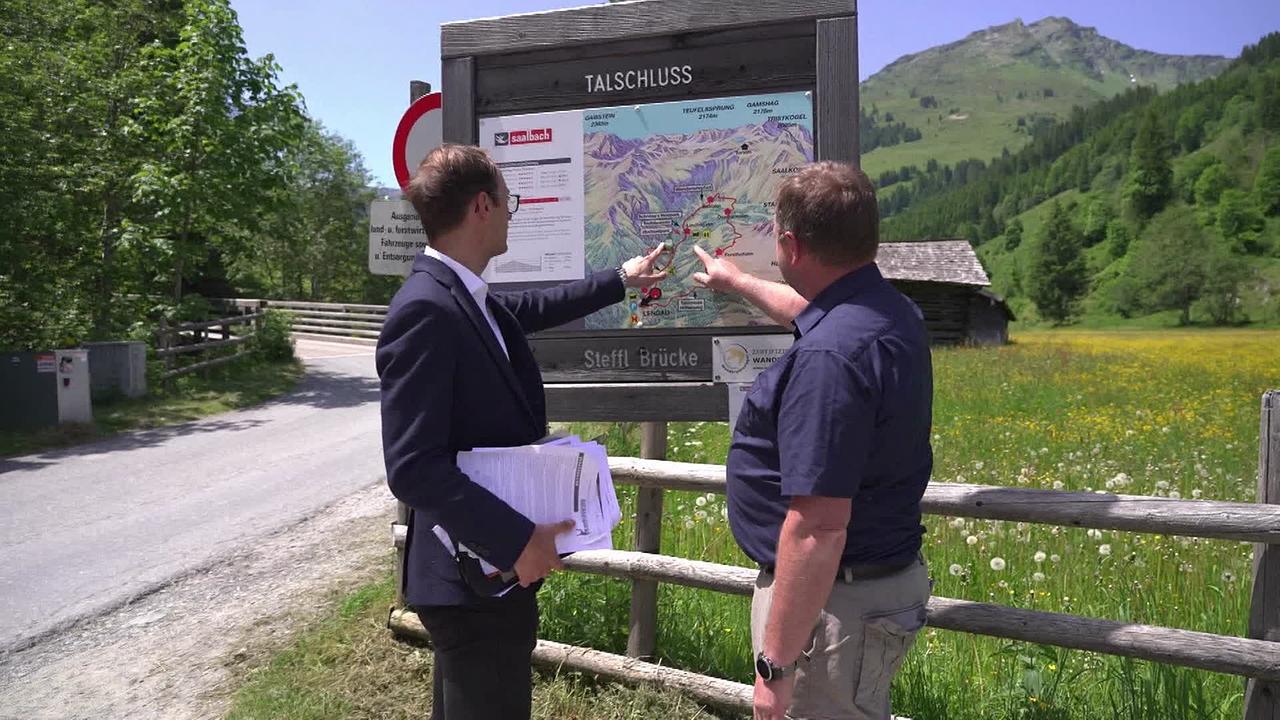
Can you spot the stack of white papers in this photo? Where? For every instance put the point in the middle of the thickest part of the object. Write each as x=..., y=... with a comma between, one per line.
x=561, y=479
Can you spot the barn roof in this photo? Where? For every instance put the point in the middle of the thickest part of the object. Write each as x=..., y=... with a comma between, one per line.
x=944, y=261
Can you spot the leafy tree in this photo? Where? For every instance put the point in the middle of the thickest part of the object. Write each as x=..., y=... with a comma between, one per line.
x=1150, y=183
x=1211, y=184
x=216, y=120
x=143, y=153
x=1189, y=173
x=1098, y=215
x=1056, y=270
x=1239, y=221
x=1190, y=128
x=1225, y=274
x=1266, y=186
x=1169, y=262
x=1116, y=292
x=1119, y=236
x=1013, y=234
x=316, y=232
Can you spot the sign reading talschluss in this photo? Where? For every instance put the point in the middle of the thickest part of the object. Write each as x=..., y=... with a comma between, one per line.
x=639, y=79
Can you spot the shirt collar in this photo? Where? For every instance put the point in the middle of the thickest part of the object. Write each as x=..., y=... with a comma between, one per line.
x=477, y=288
x=837, y=292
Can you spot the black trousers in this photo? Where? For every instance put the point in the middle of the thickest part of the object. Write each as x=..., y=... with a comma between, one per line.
x=482, y=657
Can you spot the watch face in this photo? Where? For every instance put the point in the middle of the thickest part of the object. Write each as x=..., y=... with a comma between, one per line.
x=764, y=669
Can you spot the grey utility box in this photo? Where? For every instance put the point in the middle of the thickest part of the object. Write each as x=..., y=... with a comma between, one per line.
x=29, y=384
x=118, y=367
x=40, y=389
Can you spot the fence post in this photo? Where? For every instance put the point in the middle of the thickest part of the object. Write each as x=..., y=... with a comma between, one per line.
x=1262, y=699
x=644, y=593
x=168, y=359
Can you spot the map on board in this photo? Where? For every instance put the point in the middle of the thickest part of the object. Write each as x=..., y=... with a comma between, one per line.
x=700, y=172
x=689, y=173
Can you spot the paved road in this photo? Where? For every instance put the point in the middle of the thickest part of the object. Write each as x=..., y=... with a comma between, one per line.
x=84, y=530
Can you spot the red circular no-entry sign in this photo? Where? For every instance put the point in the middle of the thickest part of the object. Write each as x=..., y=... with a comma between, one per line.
x=420, y=131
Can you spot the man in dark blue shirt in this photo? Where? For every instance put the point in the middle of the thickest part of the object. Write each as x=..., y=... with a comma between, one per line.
x=830, y=457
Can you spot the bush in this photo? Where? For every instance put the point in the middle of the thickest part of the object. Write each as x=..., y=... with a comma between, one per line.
x=272, y=343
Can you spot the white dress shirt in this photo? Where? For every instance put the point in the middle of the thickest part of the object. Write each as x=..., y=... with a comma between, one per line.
x=478, y=288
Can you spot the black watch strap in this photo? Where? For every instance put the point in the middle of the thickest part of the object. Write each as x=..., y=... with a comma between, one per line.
x=769, y=671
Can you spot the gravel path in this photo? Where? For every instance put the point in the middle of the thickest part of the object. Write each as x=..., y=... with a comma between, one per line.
x=174, y=654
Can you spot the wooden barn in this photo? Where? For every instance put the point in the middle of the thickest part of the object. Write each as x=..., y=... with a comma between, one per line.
x=946, y=279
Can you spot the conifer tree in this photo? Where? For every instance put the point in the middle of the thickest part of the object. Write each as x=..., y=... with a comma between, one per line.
x=1150, y=182
x=1056, y=271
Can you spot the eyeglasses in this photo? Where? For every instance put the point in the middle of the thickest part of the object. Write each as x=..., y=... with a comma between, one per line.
x=513, y=204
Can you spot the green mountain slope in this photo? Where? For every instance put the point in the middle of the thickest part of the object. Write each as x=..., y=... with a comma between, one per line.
x=1169, y=204
x=977, y=96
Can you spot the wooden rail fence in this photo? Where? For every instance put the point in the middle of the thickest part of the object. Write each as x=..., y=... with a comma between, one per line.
x=196, y=337
x=1256, y=658
x=334, y=321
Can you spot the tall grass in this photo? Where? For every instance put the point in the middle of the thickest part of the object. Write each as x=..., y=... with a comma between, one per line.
x=1171, y=414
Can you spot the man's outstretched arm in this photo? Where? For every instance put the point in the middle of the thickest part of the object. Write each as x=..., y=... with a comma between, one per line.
x=778, y=300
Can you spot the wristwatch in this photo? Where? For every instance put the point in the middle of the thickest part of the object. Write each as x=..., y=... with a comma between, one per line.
x=622, y=274
x=770, y=671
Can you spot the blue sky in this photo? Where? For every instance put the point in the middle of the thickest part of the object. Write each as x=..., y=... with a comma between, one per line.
x=353, y=60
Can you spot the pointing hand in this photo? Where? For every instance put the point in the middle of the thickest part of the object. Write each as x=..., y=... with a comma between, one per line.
x=721, y=274
x=639, y=269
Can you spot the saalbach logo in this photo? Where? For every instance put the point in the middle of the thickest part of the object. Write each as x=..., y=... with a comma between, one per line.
x=529, y=137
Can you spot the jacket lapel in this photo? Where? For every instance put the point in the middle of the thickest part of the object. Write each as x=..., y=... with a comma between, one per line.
x=450, y=279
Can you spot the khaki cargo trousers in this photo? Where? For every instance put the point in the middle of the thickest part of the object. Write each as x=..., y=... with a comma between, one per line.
x=859, y=642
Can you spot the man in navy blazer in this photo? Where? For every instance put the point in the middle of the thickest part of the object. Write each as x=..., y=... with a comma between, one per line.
x=457, y=373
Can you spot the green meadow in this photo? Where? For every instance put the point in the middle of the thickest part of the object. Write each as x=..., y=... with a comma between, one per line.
x=1169, y=414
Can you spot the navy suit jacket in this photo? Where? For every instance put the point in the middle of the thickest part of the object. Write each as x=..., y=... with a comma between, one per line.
x=448, y=387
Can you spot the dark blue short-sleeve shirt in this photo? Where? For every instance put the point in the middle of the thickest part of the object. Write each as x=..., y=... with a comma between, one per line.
x=847, y=413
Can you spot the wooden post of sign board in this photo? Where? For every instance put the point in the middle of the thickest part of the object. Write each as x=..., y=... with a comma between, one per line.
x=643, y=638
x=1262, y=699
x=837, y=101
x=458, y=76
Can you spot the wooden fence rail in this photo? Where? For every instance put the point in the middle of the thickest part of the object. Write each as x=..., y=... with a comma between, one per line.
x=1256, y=657
x=347, y=322
x=168, y=337
x=1246, y=522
